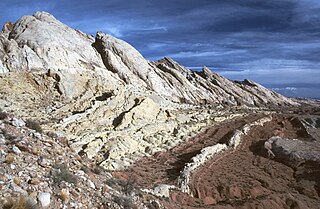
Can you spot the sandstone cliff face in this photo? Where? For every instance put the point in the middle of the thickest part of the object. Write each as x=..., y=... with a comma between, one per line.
x=177, y=83
x=42, y=43
x=112, y=104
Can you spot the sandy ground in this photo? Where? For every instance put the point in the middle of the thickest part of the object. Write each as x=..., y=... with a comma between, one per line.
x=241, y=178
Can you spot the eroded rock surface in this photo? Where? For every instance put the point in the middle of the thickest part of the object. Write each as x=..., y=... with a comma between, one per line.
x=242, y=176
x=112, y=104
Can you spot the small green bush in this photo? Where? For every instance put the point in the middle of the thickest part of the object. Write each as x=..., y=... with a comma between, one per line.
x=129, y=186
x=124, y=202
x=62, y=173
x=7, y=136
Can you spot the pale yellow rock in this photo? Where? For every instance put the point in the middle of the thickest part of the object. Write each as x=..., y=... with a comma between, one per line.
x=146, y=111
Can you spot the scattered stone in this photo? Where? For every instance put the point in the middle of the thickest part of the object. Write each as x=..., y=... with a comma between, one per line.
x=33, y=195
x=37, y=135
x=209, y=201
x=18, y=122
x=163, y=190
x=43, y=162
x=36, y=151
x=91, y=184
x=34, y=181
x=16, y=150
x=18, y=189
x=44, y=199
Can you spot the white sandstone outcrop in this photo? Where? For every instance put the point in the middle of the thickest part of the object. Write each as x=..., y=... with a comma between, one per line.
x=111, y=103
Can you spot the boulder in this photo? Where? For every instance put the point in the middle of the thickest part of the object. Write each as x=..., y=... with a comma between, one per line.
x=44, y=199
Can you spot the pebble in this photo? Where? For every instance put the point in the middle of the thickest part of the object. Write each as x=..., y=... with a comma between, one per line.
x=43, y=162
x=7, y=176
x=80, y=173
x=2, y=178
x=91, y=184
x=34, y=181
x=18, y=189
x=44, y=199
x=36, y=151
x=2, y=152
x=16, y=150
x=37, y=135
x=17, y=180
x=60, y=134
x=18, y=122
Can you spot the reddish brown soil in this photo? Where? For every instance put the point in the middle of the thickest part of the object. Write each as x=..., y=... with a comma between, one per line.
x=243, y=178
x=165, y=167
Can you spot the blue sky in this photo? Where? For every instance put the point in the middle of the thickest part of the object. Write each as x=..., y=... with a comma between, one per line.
x=274, y=42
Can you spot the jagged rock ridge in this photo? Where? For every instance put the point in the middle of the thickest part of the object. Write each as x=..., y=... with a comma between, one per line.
x=40, y=42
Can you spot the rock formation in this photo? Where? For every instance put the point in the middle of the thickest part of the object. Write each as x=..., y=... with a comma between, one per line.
x=42, y=43
x=112, y=105
x=101, y=89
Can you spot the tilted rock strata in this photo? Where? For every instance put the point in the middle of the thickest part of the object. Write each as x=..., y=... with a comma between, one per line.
x=40, y=42
x=208, y=153
x=112, y=104
x=235, y=140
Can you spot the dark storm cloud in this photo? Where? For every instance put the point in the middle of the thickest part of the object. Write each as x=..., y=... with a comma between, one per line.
x=231, y=35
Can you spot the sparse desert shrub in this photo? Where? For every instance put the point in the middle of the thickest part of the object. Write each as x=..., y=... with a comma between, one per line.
x=10, y=158
x=124, y=202
x=8, y=136
x=35, y=125
x=17, y=180
x=19, y=203
x=112, y=182
x=97, y=170
x=129, y=186
x=64, y=195
x=152, y=205
x=52, y=134
x=62, y=173
x=3, y=115
x=126, y=186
